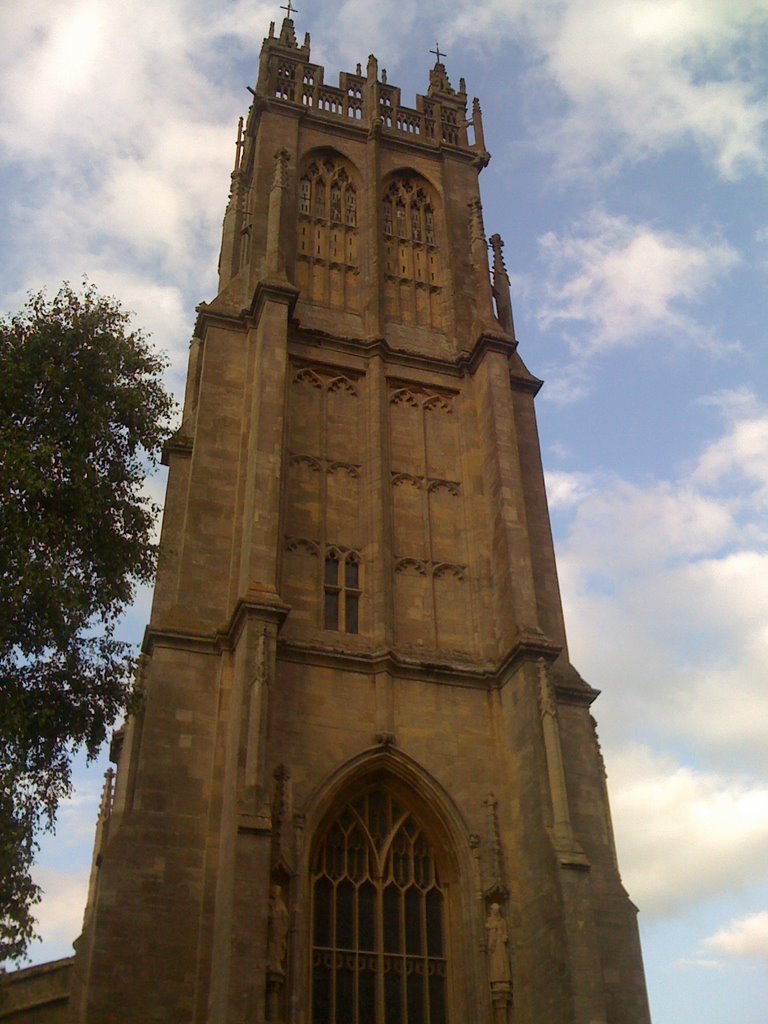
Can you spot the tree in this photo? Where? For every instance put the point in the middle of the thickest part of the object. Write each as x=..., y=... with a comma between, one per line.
x=83, y=416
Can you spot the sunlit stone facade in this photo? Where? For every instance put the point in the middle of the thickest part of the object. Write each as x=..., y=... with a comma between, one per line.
x=365, y=785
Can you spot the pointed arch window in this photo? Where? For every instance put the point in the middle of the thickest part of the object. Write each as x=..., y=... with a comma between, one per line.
x=327, y=270
x=342, y=592
x=411, y=259
x=326, y=194
x=378, y=918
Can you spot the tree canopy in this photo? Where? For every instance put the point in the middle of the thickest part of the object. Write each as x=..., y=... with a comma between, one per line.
x=83, y=416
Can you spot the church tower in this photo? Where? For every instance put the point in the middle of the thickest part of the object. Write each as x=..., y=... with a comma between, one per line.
x=364, y=786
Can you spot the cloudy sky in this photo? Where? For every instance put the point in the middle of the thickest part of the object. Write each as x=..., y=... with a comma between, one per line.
x=628, y=180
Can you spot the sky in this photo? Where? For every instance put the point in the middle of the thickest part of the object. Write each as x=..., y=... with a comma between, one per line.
x=628, y=181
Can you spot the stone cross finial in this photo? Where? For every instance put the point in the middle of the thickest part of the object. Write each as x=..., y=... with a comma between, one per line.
x=436, y=51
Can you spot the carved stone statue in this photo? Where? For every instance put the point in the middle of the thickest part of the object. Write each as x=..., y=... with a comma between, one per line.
x=498, y=941
x=277, y=931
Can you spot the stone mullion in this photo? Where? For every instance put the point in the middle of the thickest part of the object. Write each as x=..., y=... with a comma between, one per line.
x=424, y=952
x=379, y=925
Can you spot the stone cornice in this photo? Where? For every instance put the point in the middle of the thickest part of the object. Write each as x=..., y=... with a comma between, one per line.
x=177, y=444
x=529, y=647
x=530, y=384
x=272, y=290
x=179, y=637
x=208, y=315
x=466, y=362
x=264, y=604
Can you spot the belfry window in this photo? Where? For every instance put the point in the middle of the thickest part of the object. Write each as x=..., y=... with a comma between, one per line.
x=411, y=260
x=341, y=586
x=378, y=919
x=327, y=268
x=327, y=194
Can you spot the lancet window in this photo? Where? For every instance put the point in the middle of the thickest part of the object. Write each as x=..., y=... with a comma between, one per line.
x=378, y=918
x=327, y=260
x=412, y=267
x=341, y=591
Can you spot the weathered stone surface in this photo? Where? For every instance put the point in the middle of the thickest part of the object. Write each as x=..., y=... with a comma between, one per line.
x=36, y=995
x=357, y=602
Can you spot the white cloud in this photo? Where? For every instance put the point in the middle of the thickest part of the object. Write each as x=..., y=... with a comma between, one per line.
x=367, y=29
x=564, y=489
x=744, y=937
x=684, y=834
x=665, y=586
x=617, y=282
x=123, y=149
x=626, y=526
x=59, y=915
x=641, y=76
x=741, y=453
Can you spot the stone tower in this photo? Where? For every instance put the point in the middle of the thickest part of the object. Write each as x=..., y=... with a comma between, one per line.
x=365, y=785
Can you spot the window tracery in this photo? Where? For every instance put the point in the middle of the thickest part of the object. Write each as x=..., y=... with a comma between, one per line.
x=285, y=87
x=327, y=262
x=412, y=269
x=378, y=918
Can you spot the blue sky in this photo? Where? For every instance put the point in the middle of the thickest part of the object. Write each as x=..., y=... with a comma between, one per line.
x=628, y=180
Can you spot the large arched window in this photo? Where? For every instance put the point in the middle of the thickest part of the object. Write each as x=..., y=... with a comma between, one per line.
x=412, y=272
x=326, y=251
x=378, y=918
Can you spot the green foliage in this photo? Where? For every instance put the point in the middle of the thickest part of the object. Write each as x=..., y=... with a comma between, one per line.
x=83, y=415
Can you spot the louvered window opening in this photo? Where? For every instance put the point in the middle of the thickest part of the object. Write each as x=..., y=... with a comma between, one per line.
x=378, y=921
